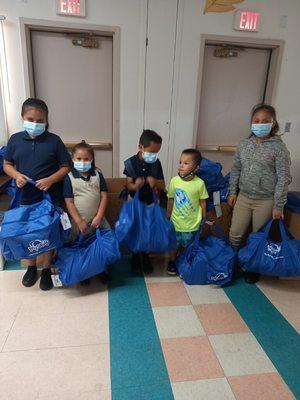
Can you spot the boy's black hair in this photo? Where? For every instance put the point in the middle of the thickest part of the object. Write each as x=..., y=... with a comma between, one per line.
x=271, y=111
x=85, y=146
x=197, y=157
x=149, y=136
x=37, y=104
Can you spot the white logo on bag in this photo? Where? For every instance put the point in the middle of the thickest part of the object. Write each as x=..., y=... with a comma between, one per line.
x=219, y=276
x=273, y=251
x=37, y=245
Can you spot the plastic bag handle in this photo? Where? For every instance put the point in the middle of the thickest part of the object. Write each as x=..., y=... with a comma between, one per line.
x=15, y=202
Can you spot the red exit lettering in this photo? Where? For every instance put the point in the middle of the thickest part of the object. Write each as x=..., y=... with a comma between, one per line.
x=249, y=20
x=70, y=6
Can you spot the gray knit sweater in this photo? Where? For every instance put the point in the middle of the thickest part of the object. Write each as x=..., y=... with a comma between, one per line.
x=262, y=170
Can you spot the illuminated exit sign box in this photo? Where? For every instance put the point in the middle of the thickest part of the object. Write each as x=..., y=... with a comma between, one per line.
x=74, y=8
x=248, y=21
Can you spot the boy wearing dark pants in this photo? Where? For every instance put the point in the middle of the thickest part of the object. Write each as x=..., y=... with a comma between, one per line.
x=144, y=172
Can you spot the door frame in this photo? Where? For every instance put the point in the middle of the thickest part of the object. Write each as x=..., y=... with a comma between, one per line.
x=27, y=25
x=275, y=45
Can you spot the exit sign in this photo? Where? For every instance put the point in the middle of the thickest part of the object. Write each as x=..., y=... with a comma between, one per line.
x=248, y=21
x=74, y=8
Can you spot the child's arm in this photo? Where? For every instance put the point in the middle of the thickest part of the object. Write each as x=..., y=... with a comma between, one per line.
x=72, y=210
x=139, y=182
x=46, y=183
x=203, y=207
x=11, y=171
x=156, y=183
x=170, y=207
x=101, y=210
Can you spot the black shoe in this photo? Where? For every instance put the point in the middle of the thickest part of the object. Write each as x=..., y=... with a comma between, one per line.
x=136, y=263
x=85, y=282
x=46, y=281
x=104, y=277
x=251, y=277
x=30, y=276
x=147, y=264
x=172, y=269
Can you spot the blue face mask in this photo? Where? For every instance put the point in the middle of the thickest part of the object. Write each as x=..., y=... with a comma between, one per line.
x=82, y=166
x=149, y=158
x=261, y=130
x=33, y=128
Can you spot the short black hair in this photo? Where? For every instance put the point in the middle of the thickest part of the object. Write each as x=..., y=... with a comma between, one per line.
x=271, y=111
x=149, y=136
x=85, y=146
x=38, y=104
x=197, y=157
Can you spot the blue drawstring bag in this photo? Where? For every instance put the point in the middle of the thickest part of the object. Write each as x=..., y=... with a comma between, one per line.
x=30, y=230
x=267, y=257
x=87, y=257
x=145, y=228
x=209, y=260
x=211, y=173
x=293, y=202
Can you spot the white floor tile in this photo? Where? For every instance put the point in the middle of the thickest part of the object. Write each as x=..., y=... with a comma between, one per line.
x=240, y=354
x=207, y=389
x=43, y=374
x=178, y=321
x=206, y=294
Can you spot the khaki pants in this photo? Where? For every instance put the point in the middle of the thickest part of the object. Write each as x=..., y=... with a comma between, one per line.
x=246, y=211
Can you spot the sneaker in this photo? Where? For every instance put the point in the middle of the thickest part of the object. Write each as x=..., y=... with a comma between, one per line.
x=85, y=282
x=251, y=277
x=172, y=269
x=147, y=264
x=136, y=263
x=46, y=281
x=104, y=277
x=30, y=276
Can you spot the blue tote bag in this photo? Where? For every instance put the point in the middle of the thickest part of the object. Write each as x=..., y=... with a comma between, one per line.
x=87, y=257
x=145, y=228
x=209, y=260
x=267, y=257
x=30, y=230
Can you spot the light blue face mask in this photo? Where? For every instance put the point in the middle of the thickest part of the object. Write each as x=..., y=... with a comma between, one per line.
x=261, y=130
x=82, y=166
x=149, y=158
x=33, y=128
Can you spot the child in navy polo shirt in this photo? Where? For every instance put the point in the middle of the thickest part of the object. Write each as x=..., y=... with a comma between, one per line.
x=85, y=194
x=37, y=154
x=144, y=172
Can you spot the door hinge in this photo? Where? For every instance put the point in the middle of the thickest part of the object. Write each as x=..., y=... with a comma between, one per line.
x=147, y=41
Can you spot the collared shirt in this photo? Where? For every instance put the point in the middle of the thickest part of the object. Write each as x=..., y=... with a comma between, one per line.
x=86, y=192
x=67, y=184
x=143, y=169
x=37, y=158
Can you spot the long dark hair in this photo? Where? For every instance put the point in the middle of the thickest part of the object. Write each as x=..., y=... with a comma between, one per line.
x=85, y=146
x=38, y=105
x=271, y=111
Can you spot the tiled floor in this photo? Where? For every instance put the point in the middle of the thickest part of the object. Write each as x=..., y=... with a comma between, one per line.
x=56, y=345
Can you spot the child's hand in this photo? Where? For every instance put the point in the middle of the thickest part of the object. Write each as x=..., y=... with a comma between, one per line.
x=139, y=182
x=44, y=184
x=210, y=223
x=277, y=214
x=96, y=222
x=21, y=180
x=151, y=181
x=232, y=200
x=83, y=226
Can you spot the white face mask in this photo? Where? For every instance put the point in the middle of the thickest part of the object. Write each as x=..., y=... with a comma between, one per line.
x=149, y=158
